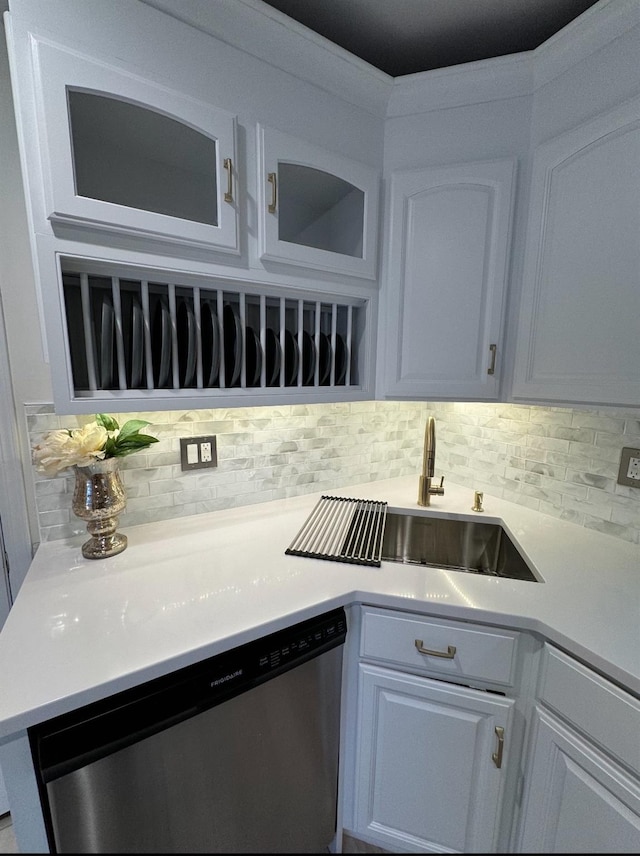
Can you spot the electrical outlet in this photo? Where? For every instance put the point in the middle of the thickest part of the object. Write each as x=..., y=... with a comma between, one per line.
x=198, y=453
x=629, y=472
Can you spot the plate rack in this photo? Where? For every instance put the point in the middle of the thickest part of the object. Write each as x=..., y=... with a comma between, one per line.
x=128, y=335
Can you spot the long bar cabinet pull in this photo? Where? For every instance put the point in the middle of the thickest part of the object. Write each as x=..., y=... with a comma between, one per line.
x=492, y=365
x=496, y=757
x=228, y=165
x=449, y=654
x=271, y=178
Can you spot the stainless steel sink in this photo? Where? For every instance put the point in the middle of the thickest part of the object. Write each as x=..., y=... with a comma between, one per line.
x=473, y=546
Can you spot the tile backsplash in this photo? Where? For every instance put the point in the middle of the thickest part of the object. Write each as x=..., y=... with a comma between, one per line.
x=559, y=461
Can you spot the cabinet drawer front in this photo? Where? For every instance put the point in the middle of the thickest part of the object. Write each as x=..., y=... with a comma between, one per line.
x=481, y=653
x=606, y=713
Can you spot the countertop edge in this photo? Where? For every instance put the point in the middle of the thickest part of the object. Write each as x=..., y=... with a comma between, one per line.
x=539, y=614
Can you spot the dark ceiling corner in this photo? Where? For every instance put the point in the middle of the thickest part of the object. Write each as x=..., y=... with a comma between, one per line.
x=406, y=36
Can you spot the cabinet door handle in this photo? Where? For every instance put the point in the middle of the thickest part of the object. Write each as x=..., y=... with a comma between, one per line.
x=449, y=654
x=496, y=757
x=228, y=165
x=271, y=178
x=492, y=364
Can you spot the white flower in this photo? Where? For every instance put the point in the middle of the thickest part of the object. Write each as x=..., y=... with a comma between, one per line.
x=62, y=449
x=81, y=447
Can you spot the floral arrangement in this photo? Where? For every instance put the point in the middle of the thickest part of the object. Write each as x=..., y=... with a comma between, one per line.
x=81, y=447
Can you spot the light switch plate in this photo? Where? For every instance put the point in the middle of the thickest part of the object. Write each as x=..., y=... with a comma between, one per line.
x=629, y=472
x=197, y=453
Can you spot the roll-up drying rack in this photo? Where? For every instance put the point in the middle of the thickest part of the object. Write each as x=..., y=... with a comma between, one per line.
x=342, y=530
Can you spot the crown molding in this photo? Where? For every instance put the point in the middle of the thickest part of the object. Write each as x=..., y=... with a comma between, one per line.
x=515, y=75
x=262, y=31
x=458, y=85
x=599, y=25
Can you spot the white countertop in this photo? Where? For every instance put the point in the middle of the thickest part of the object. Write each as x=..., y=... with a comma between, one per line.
x=192, y=587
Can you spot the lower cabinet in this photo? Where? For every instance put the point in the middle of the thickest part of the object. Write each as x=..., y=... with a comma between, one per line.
x=582, y=769
x=432, y=732
x=578, y=800
x=431, y=759
x=435, y=760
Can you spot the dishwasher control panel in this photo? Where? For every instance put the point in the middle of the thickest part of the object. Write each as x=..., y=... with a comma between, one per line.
x=302, y=642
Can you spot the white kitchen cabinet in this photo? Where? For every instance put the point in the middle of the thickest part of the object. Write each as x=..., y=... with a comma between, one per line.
x=316, y=209
x=432, y=744
x=582, y=773
x=578, y=333
x=141, y=242
x=428, y=775
x=578, y=800
x=130, y=335
x=446, y=278
x=121, y=154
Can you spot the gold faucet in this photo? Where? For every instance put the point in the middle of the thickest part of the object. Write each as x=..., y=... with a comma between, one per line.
x=425, y=490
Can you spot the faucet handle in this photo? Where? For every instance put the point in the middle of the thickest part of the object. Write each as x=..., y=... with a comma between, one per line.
x=439, y=490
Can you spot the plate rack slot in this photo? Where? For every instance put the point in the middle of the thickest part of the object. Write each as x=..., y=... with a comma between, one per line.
x=127, y=334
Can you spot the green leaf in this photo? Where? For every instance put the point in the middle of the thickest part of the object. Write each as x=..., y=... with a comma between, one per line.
x=110, y=448
x=137, y=440
x=132, y=427
x=132, y=443
x=107, y=422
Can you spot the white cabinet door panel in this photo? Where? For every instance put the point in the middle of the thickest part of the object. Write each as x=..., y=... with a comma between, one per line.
x=577, y=801
x=446, y=283
x=578, y=338
x=122, y=154
x=426, y=779
x=316, y=209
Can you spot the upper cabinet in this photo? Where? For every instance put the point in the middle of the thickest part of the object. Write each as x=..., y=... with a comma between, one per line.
x=578, y=337
x=121, y=154
x=317, y=209
x=134, y=335
x=446, y=280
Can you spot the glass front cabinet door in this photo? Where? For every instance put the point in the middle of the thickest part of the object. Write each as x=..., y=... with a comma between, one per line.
x=121, y=154
x=318, y=209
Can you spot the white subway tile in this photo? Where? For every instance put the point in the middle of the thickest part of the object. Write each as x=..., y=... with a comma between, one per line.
x=558, y=460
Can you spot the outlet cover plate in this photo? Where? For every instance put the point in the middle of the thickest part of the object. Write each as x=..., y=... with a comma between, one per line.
x=192, y=459
x=629, y=472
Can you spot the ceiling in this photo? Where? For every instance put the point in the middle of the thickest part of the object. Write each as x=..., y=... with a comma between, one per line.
x=407, y=36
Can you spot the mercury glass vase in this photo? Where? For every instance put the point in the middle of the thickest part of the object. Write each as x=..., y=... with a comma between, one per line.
x=99, y=497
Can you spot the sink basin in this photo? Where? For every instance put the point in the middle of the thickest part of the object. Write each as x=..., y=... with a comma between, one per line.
x=473, y=546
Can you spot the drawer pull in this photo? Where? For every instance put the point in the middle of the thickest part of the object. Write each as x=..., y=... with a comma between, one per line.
x=449, y=654
x=496, y=757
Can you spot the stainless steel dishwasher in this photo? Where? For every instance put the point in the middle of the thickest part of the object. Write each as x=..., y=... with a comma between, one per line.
x=237, y=754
